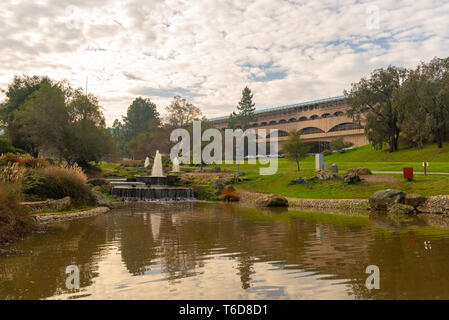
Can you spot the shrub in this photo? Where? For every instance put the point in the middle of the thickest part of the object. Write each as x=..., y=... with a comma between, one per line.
x=59, y=182
x=229, y=194
x=15, y=222
x=23, y=160
x=5, y=147
x=339, y=144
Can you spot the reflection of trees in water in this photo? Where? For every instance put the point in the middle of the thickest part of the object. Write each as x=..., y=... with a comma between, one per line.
x=138, y=247
x=40, y=271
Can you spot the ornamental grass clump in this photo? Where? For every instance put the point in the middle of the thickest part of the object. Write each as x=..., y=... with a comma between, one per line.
x=58, y=182
x=15, y=221
x=12, y=173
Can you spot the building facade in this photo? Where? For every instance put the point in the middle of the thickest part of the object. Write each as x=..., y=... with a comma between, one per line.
x=321, y=121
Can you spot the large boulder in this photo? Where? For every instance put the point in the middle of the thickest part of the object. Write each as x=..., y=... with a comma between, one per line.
x=300, y=180
x=272, y=201
x=100, y=198
x=58, y=205
x=351, y=178
x=383, y=199
x=323, y=175
x=414, y=200
x=400, y=208
x=360, y=171
x=436, y=205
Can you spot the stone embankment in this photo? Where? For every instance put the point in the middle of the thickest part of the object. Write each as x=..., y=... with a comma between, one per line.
x=57, y=217
x=352, y=204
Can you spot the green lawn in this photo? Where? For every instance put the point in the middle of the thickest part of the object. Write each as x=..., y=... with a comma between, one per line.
x=359, y=157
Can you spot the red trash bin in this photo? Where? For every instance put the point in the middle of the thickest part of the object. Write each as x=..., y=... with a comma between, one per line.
x=408, y=173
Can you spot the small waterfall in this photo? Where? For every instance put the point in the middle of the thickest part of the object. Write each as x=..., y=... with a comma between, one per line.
x=153, y=193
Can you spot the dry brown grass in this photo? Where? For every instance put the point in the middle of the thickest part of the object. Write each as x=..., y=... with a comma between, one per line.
x=229, y=195
x=12, y=173
x=15, y=222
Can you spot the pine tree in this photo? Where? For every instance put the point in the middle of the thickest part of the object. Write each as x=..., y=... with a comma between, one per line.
x=246, y=109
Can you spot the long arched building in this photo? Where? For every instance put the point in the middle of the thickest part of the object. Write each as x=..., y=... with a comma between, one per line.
x=321, y=121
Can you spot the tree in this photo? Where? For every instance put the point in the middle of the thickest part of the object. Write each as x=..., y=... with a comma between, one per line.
x=245, y=109
x=340, y=144
x=382, y=122
x=17, y=93
x=56, y=119
x=146, y=143
x=294, y=147
x=89, y=139
x=424, y=97
x=138, y=116
x=45, y=119
x=181, y=113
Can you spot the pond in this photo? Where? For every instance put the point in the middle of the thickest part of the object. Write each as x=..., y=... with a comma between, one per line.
x=223, y=251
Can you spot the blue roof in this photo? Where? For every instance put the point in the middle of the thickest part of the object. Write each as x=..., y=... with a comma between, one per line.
x=289, y=106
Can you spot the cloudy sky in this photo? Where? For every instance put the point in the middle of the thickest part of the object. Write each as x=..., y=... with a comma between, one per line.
x=286, y=51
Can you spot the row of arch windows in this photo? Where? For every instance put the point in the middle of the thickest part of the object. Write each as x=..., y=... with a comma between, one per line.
x=313, y=117
x=312, y=130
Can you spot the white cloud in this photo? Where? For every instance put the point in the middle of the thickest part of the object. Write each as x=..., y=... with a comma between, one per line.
x=211, y=49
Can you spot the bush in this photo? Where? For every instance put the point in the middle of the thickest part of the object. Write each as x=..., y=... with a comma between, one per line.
x=12, y=173
x=339, y=144
x=59, y=182
x=23, y=160
x=15, y=222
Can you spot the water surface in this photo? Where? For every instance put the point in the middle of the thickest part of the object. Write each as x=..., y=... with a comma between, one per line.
x=221, y=251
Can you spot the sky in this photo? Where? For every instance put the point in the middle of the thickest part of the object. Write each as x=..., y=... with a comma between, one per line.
x=207, y=51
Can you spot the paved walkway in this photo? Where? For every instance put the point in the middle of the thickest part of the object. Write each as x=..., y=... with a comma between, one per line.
x=415, y=172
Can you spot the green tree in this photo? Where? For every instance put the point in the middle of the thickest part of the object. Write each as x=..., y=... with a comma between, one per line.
x=181, y=113
x=382, y=122
x=294, y=147
x=245, y=110
x=424, y=97
x=138, y=117
x=17, y=93
x=339, y=144
x=45, y=116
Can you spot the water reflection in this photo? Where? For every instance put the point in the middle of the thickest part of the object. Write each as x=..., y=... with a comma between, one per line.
x=222, y=251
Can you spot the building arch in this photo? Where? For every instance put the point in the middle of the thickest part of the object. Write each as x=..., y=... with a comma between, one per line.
x=263, y=123
x=302, y=119
x=345, y=126
x=272, y=122
x=325, y=115
x=292, y=120
x=314, y=117
x=311, y=130
x=282, y=121
x=281, y=133
x=339, y=114
x=255, y=125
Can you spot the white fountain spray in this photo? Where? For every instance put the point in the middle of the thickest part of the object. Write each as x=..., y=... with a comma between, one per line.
x=157, y=166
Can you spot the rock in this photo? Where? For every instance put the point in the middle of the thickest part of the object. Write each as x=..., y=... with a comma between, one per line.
x=360, y=171
x=300, y=180
x=272, y=201
x=101, y=199
x=436, y=205
x=351, y=178
x=57, y=205
x=400, y=208
x=414, y=200
x=383, y=199
x=334, y=168
x=218, y=186
x=323, y=175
